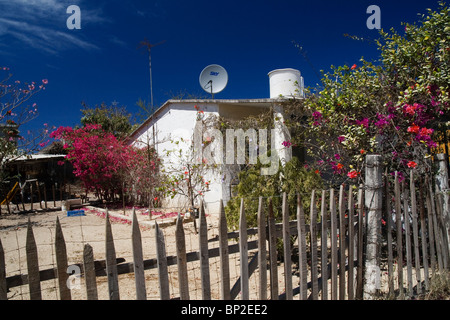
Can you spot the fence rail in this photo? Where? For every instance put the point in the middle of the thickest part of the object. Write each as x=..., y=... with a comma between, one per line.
x=333, y=249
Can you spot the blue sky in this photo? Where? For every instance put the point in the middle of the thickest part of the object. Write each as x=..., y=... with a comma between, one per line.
x=101, y=61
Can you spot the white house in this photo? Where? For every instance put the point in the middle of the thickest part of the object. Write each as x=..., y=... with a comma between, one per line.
x=177, y=118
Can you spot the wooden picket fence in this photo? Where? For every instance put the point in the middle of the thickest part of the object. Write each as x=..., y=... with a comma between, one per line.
x=331, y=250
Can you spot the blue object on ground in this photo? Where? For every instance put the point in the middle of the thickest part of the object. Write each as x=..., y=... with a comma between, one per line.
x=75, y=213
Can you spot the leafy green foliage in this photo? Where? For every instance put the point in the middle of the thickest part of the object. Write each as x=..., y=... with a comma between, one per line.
x=112, y=119
x=291, y=178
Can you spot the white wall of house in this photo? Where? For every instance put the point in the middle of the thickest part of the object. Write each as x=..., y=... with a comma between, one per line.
x=176, y=119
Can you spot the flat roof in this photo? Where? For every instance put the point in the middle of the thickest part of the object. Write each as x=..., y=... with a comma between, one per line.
x=264, y=101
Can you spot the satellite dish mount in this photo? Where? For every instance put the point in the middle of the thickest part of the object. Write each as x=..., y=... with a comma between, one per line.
x=213, y=79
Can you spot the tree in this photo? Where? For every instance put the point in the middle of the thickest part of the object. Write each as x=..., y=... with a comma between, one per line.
x=98, y=158
x=113, y=119
x=106, y=165
x=15, y=112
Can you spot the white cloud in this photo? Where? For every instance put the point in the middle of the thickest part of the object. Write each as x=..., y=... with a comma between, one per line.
x=41, y=24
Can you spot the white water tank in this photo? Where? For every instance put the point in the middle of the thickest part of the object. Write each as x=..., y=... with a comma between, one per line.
x=286, y=83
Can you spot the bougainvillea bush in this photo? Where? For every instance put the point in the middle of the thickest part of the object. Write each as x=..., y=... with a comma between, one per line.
x=104, y=164
x=392, y=107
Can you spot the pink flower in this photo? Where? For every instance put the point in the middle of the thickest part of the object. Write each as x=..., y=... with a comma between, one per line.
x=353, y=174
x=44, y=81
x=412, y=164
x=413, y=129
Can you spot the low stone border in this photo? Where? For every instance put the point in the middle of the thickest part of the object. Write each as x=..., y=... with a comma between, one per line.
x=147, y=224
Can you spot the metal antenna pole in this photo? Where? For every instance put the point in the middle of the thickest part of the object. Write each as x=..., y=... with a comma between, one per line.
x=149, y=46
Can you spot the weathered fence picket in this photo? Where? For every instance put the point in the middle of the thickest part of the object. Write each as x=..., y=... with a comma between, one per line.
x=89, y=273
x=163, y=271
x=398, y=218
x=262, y=251
x=3, y=290
x=351, y=247
x=334, y=252
x=111, y=265
x=204, y=255
x=34, y=281
x=388, y=221
x=183, y=280
x=61, y=263
x=407, y=241
x=138, y=259
x=360, y=247
x=324, y=246
x=243, y=253
x=303, y=271
x=287, y=248
x=273, y=254
x=341, y=243
x=313, y=241
x=415, y=233
x=224, y=255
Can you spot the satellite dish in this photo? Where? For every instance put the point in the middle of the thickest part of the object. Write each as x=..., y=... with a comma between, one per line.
x=213, y=79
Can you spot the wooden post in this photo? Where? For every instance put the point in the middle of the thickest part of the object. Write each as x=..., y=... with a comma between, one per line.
x=45, y=196
x=243, y=253
x=161, y=257
x=374, y=203
x=262, y=251
x=430, y=213
x=301, y=229
x=388, y=218
x=351, y=234
x=423, y=236
x=360, y=246
x=138, y=259
x=287, y=249
x=183, y=280
x=111, y=264
x=398, y=217
x=324, y=246
x=443, y=187
x=313, y=242
x=204, y=255
x=415, y=232
x=273, y=254
x=341, y=244
x=61, y=262
x=407, y=241
x=224, y=255
x=334, y=255
x=34, y=281
x=3, y=290
x=89, y=273
x=39, y=194
x=54, y=195
x=31, y=196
